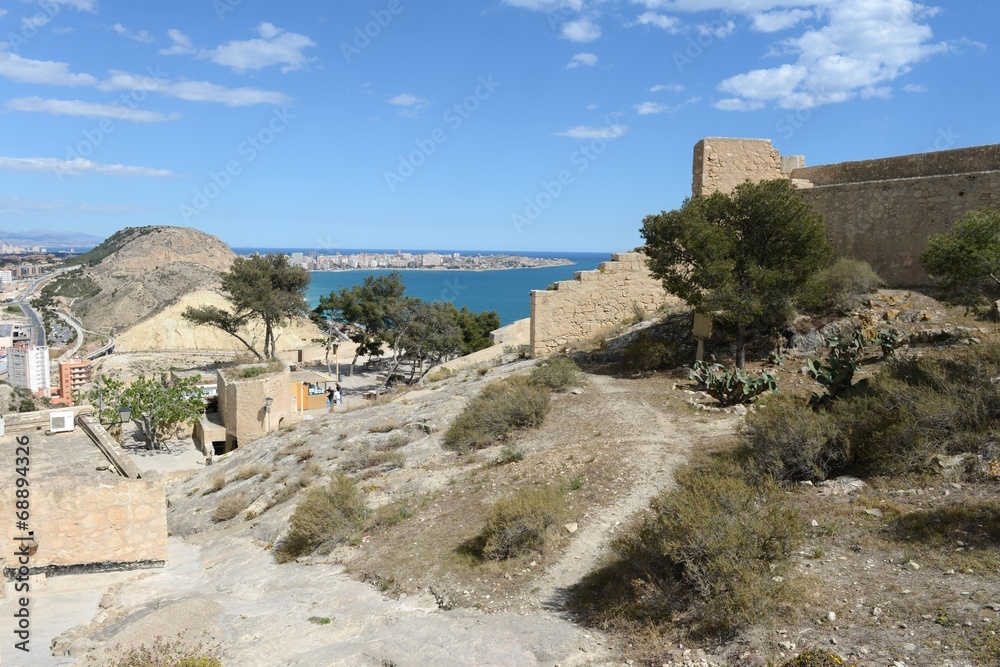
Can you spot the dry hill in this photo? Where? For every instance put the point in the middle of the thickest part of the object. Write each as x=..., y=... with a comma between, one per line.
x=147, y=276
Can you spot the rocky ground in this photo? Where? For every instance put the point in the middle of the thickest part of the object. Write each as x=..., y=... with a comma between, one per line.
x=407, y=593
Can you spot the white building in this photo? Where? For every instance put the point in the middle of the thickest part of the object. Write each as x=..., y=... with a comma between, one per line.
x=6, y=277
x=29, y=368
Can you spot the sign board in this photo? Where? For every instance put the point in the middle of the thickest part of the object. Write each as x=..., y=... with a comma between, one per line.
x=702, y=325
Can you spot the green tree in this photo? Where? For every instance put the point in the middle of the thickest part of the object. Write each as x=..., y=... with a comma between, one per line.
x=261, y=288
x=367, y=310
x=432, y=335
x=746, y=255
x=476, y=328
x=158, y=406
x=965, y=262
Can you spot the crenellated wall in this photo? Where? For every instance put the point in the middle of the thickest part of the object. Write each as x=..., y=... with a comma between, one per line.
x=573, y=310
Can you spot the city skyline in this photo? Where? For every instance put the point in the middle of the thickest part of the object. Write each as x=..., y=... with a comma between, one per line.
x=544, y=125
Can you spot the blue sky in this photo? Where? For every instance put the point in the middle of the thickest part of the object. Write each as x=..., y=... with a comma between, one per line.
x=483, y=124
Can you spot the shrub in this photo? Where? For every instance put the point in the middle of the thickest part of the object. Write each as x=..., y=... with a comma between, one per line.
x=439, y=374
x=384, y=427
x=178, y=652
x=916, y=408
x=246, y=472
x=369, y=458
x=509, y=454
x=818, y=657
x=230, y=507
x=216, y=484
x=497, y=412
x=840, y=286
x=521, y=524
x=648, y=352
x=327, y=516
x=715, y=546
x=558, y=374
x=787, y=440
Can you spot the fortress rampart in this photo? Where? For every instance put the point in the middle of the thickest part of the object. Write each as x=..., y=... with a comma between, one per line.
x=881, y=211
x=573, y=310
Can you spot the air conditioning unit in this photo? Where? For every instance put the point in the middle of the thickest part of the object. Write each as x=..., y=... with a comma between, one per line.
x=61, y=421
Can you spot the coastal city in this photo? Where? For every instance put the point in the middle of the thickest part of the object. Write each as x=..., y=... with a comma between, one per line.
x=427, y=260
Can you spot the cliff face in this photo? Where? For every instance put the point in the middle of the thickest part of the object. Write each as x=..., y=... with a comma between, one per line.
x=147, y=276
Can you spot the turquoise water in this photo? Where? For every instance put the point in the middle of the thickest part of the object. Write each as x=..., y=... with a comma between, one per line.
x=505, y=291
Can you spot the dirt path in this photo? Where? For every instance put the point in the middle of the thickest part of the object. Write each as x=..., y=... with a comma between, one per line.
x=657, y=442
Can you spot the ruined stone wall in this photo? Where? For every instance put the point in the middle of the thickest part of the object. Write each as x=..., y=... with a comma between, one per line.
x=109, y=523
x=722, y=164
x=573, y=310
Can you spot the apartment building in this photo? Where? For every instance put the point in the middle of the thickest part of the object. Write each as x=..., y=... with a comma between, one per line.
x=73, y=375
x=29, y=367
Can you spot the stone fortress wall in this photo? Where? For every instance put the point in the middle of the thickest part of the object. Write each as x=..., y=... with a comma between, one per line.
x=881, y=211
x=573, y=310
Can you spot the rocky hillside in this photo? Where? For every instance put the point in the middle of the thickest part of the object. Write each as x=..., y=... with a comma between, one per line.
x=146, y=277
x=147, y=269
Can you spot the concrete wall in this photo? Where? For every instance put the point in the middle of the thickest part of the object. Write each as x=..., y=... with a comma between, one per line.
x=721, y=164
x=573, y=310
x=108, y=523
x=241, y=403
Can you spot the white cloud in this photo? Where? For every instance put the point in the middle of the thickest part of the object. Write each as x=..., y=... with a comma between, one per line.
x=34, y=22
x=412, y=104
x=588, y=59
x=860, y=47
x=19, y=206
x=192, y=91
x=143, y=37
x=47, y=72
x=77, y=167
x=581, y=30
x=3, y=13
x=275, y=46
x=180, y=44
x=717, y=29
x=591, y=107
x=671, y=87
x=780, y=19
x=87, y=110
x=81, y=5
x=598, y=132
x=671, y=24
x=914, y=88
x=546, y=5
x=736, y=104
x=649, y=108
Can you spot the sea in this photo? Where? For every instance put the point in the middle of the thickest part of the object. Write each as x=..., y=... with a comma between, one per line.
x=505, y=290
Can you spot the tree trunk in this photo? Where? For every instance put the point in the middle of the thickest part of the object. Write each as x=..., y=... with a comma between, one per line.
x=741, y=352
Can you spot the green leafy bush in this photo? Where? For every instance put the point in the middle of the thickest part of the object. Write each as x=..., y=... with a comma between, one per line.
x=964, y=263
x=502, y=408
x=712, y=550
x=558, y=374
x=327, y=516
x=787, y=440
x=522, y=523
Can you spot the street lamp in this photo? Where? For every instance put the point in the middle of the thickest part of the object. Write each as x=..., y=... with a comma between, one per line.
x=267, y=411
